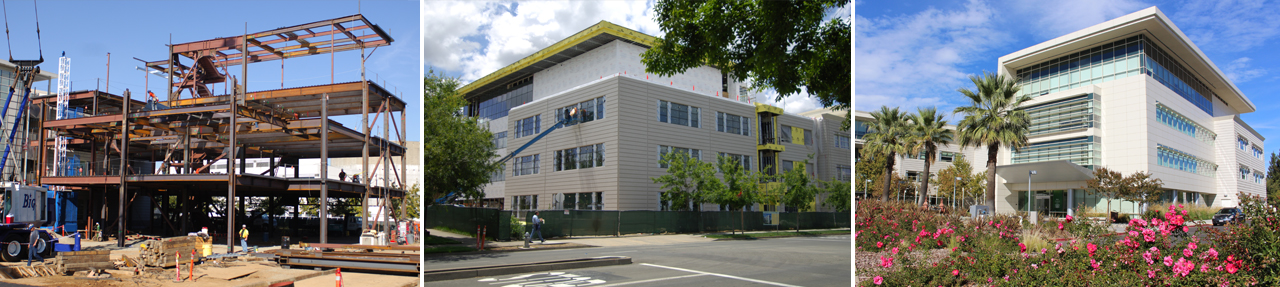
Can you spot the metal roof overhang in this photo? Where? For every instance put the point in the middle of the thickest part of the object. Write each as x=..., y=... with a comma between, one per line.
x=214, y=184
x=590, y=38
x=1152, y=23
x=1047, y=171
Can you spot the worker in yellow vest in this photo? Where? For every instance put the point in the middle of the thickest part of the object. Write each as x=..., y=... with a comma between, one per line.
x=244, y=235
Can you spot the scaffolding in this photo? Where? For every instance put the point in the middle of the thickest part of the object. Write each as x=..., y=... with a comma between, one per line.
x=165, y=147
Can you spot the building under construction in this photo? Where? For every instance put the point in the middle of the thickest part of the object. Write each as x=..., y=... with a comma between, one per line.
x=144, y=166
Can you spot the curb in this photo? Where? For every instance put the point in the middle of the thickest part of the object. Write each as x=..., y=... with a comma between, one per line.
x=501, y=251
x=771, y=237
x=496, y=270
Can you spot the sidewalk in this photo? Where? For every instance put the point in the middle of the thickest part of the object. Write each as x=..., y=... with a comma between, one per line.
x=607, y=241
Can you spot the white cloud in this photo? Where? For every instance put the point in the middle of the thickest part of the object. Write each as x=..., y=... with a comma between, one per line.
x=1229, y=26
x=921, y=59
x=477, y=38
x=1051, y=19
x=1239, y=71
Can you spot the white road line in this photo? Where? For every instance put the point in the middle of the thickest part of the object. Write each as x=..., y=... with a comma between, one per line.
x=652, y=280
x=721, y=275
x=628, y=251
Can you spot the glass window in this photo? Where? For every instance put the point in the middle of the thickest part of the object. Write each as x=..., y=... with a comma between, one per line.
x=808, y=137
x=588, y=109
x=600, y=108
x=662, y=111
x=695, y=115
x=785, y=134
x=586, y=156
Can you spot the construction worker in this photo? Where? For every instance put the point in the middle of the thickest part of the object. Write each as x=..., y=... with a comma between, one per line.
x=31, y=249
x=244, y=237
x=342, y=175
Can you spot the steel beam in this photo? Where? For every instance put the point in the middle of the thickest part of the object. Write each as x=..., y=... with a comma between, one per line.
x=324, y=170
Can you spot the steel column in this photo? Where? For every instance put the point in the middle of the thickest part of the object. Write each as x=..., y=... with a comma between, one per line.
x=324, y=169
x=364, y=151
x=124, y=161
x=231, y=143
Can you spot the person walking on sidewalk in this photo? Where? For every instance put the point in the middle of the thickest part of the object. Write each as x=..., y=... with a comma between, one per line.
x=537, y=227
x=244, y=237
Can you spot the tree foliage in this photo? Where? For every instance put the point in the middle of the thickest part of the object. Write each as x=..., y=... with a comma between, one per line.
x=888, y=138
x=783, y=45
x=798, y=190
x=838, y=194
x=1273, y=179
x=928, y=131
x=1139, y=186
x=409, y=202
x=970, y=185
x=457, y=150
x=739, y=189
x=995, y=117
x=869, y=172
x=688, y=181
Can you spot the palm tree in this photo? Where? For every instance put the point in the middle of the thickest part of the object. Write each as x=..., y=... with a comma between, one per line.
x=928, y=131
x=887, y=138
x=996, y=117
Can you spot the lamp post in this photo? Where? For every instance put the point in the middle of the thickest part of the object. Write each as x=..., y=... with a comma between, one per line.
x=953, y=193
x=864, y=187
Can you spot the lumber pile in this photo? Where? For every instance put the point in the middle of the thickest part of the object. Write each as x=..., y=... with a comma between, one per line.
x=72, y=261
x=19, y=272
x=161, y=252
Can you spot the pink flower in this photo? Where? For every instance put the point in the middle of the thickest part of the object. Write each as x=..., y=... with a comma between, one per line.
x=1147, y=256
x=1092, y=249
x=989, y=280
x=879, y=244
x=1204, y=267
x=955, y=272
x=1154, y=250
x=1191, y=245
x=894, y=251
x=1151, y=273
x=1168, y=261
x=1022, y=247
x=1148, y=235
x=878, y=280
x=886, y=262
x=1137, y=222
x=1183, y=267
x=1093, y=263
x=1211, y=254
x=1059, y=225
x=1187, y=252
x=1069, y=218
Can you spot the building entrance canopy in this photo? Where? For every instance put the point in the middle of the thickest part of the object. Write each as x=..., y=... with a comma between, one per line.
x=1048, y=171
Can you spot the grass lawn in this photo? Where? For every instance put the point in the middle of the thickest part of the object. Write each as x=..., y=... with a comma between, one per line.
x=776, y=234
x=448, y=249
x=436, y=240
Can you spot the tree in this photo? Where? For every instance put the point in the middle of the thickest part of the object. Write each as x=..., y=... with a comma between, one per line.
x=1139, y=186
x=457, y=151
x=928, y=130
x=995, y=117
x=408, y=204
x=1273, y=179
x=689, y=182
x=889, y=138
x=797, y=189
x=838, y=194
x=783, y=45
x=740, y=188
x=869, y=167
x=969, y=185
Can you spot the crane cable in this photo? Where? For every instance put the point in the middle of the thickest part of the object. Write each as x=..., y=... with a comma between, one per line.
x=8, y=40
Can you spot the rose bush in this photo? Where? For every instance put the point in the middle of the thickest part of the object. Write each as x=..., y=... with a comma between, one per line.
x=1149, y=252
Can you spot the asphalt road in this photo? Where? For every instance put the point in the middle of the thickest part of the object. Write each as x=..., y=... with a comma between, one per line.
x=798, y=261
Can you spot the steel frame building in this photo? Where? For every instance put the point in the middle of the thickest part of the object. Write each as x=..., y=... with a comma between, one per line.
x=169, y=144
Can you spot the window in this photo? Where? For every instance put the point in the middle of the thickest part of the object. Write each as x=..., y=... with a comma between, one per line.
x=745, y=160
x=500, y=140
x=528, y=126
x=785, y=136
x=590, y=110
x=734, y=124
x=808, y=137
x=674, y=113
x=525, y=165
x=1244, y=143
x=580, y=157
x=844, y=172
x=580, y=201
x=1259, y=177
x=499, y=106
x=525, y=202
x=1257, y=151
x=842, y=142
x=499, y=175
x=1244, y=172
x=1169, y=157
x=663, y=150
x=1173, y=119
x=913, y=176
x=947, y=156
x=788, y=165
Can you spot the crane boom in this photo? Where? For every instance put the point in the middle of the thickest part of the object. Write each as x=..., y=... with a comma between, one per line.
x=570, y=117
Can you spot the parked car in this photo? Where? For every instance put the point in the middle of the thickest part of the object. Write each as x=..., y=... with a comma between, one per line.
x=1228, y=215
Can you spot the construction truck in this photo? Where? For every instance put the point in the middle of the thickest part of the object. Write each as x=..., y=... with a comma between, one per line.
x=23, y=208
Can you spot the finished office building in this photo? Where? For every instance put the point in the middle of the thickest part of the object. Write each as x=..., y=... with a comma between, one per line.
x=1132, y=94
x=606, y=161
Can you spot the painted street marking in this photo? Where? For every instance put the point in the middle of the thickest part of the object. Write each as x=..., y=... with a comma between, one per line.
x=721, y=275
x=653, y=280
x=549, y=279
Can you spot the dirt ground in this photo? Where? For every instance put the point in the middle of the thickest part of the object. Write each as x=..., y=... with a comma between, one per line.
x=211, y=274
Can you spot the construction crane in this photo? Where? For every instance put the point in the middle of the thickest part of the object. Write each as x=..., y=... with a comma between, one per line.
x=22, y=206
x=569, y=118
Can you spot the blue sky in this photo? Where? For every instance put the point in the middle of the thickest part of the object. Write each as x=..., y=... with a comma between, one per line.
x=88, y=30
x=470, y=39
x=917, y=53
